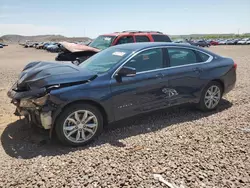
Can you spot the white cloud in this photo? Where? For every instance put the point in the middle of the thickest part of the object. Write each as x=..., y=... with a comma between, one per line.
x=29, y=29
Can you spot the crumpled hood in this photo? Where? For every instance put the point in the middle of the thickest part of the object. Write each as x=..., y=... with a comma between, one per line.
x=72, y=47
x=44, y=74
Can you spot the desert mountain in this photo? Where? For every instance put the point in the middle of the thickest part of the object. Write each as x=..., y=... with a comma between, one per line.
x=41, y=38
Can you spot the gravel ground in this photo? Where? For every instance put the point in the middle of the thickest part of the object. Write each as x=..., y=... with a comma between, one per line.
x=186, y=147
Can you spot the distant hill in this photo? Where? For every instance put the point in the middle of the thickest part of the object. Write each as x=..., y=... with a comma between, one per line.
x=195, y=36
x=41, y=38
x=57, y=38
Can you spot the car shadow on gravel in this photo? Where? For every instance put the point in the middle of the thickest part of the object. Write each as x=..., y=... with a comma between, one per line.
x=21, y=141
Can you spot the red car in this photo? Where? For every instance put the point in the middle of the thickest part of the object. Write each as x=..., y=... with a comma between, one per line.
x=77, y=51
x=212, y=42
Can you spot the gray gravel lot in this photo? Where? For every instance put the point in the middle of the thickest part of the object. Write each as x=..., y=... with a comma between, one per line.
x=188, y=148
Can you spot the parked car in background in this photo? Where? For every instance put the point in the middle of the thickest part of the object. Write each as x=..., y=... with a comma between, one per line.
x=30, y=44
x=26, y=45
x=35, y=44
x=105, y=41
x=54, y=47
x=199, y=43
x=243, y=41
x=45, y=45
x=182, y=41
x=117, y=83
x=2, y=44
x=222, y=42
x=213, y=42
x=40, y=45
x=232, y=42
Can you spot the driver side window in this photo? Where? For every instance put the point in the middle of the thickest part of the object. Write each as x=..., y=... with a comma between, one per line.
x=147, y=60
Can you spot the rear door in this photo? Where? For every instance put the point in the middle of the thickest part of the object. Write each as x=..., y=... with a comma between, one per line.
x=143, y=92
x=124, y=39
x=141, y=38
x=184, y=74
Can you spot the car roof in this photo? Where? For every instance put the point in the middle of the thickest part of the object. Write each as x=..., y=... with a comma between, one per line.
x=144, y=45
x=132, y=33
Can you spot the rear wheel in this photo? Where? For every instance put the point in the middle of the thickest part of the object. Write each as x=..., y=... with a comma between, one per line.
x=79, y=124
x=211, y=96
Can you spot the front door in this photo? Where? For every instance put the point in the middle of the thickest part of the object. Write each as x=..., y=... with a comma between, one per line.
x=143, y=92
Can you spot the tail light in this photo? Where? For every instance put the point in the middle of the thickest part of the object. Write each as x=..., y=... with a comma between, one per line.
x=235, y=66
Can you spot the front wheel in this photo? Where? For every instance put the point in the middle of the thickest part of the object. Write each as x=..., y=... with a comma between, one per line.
x=79, y=124
x=210, y=97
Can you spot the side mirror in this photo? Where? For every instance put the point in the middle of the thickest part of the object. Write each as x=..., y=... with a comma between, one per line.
x=127, y=72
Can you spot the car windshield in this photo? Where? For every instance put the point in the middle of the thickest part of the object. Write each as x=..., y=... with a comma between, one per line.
x=102, y=42
x=105, y=60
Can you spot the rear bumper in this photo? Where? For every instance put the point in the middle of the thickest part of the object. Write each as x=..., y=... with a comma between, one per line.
x=229, y=88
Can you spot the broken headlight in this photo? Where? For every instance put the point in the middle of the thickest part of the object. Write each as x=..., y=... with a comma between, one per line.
x=41, y=100
x=31, y=103
x=27, y=103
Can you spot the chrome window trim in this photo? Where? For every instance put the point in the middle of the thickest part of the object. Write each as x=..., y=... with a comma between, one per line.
x=162, y=47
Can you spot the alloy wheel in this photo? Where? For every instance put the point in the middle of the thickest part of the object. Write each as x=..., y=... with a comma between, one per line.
x=80, y=126
x=212, y=97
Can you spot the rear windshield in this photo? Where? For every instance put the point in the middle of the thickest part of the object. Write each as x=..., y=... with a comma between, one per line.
x=161, y=38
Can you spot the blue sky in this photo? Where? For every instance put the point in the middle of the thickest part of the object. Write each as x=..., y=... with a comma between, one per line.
x=91, y=18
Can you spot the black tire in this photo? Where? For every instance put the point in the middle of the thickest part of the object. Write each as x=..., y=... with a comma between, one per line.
x=201, y=105
x=66, y=113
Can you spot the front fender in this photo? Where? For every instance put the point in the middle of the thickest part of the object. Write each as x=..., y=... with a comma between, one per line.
x=65, y=96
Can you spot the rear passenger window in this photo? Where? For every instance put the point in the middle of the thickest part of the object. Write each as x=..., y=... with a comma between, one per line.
x=147, y=60
x=126, y=39
x=181, y=56
x=161, y=38
x=142, y=39
x=203, y=57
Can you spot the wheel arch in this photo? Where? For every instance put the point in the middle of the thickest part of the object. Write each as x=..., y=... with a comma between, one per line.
x=214, y=80
x=220, y=82
x=82, y=101
x=57, y=129
x=200, y=104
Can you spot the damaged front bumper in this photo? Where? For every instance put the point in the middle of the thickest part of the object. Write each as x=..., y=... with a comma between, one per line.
x=36, y=117
x=36, y=110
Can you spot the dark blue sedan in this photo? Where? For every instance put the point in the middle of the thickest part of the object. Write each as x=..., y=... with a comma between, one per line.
x=117, y=83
